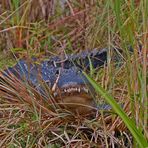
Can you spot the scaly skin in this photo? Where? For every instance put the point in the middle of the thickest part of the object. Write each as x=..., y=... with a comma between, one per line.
x=64, y=78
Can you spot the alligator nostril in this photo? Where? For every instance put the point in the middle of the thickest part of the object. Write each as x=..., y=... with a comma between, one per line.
x=57, y=72
x=91, y=54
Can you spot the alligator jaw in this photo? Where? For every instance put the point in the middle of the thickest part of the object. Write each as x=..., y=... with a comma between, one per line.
x=81, y=104
x=75, y=98
x=71, y=89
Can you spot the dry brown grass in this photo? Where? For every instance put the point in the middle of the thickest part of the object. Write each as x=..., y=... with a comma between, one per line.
x=28, y=119
x=43, y=28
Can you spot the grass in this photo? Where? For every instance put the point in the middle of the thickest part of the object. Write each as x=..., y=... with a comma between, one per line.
x=32, y=28
x=6, y=60
x=129, y=123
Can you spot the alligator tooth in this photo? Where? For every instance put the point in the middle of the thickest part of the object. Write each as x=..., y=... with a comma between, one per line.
x=75, y=89
x=85, y=89
x=79, y=90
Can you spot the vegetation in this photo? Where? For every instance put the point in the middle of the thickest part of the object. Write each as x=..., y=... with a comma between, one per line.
x=44, y=28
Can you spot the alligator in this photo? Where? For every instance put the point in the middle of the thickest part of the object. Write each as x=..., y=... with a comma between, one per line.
x=63, y=78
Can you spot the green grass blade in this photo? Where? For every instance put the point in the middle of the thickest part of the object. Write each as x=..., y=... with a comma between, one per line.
x=129, y=123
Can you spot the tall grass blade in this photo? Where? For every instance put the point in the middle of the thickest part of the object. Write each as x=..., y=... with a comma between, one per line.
x=129, y=123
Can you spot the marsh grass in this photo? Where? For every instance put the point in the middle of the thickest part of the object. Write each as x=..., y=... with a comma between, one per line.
x=31, y=28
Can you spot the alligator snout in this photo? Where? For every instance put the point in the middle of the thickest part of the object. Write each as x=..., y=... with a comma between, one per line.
x=73, y=91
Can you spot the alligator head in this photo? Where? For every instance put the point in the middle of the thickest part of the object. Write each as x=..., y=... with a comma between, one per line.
x=65, y=79
x=73, y=91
